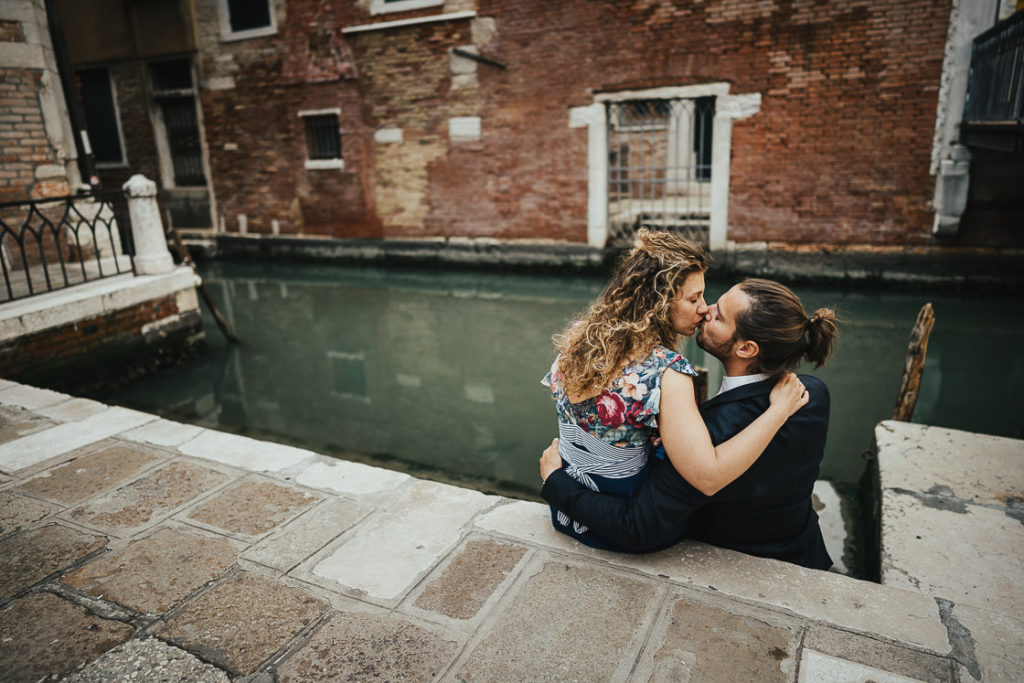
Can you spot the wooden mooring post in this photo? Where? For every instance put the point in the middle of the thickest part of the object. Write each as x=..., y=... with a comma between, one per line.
x=186, y=258
x=910, y=384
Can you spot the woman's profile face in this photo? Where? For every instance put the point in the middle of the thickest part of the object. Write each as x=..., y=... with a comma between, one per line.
x=689, y=308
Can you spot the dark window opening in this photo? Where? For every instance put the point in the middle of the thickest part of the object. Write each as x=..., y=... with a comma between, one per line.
x=323, y=139
x=246, y=15
x=100, y=115
x=703, y=121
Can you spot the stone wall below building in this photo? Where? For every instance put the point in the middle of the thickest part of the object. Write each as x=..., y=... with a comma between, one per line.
x=101, y=334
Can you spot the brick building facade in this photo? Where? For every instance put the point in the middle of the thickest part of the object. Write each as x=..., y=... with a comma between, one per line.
x=493, y=118
x=36, y=153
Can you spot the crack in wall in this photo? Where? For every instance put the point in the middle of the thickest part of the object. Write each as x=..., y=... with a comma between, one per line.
x=960, y=639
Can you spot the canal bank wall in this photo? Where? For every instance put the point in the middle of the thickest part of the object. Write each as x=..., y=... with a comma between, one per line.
x=984, y=270
x=130, y=544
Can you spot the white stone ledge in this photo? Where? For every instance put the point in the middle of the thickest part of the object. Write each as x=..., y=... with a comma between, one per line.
x=80, y=302
x=380, y=26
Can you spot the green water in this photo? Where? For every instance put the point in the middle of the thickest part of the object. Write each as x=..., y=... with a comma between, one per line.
x=438, y=372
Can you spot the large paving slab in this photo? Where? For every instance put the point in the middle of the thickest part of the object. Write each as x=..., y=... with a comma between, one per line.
x=18, y=512
x=30, y=397
x=245, y=453
x=242, y=621
x=901, y=615
x=49, y=444
x=816, y=666
x=17, y=422
x=471, y=578
x=29, y=557
x=350, y=478
x=43, y=636
x=306, y=535
x=566, y=622
x=702, y=642
x=153, y=574
x=252, y=507
x=158, y=494
x=90, y=473
x=947, y=498
x=364, y=647
x=987, y=646
x=163, y=433
x=150, y=660
x=72, y=410
x=877, y=655
x=406, y=540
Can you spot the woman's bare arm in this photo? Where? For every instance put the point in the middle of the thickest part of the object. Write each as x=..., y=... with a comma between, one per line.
x=688, y=443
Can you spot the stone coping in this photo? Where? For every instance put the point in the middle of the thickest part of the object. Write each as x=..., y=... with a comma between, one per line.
x=184, y=533
x=89, y=299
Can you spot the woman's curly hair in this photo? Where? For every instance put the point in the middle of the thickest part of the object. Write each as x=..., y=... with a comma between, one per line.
x=632, y=315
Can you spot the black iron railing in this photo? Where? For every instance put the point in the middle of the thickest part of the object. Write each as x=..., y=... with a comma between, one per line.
x=50, y=244
x=994, y=108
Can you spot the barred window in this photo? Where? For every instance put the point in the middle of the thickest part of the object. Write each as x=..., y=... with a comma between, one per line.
x=323, y=139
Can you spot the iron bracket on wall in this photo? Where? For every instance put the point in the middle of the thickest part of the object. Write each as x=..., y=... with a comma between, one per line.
x=479, y=58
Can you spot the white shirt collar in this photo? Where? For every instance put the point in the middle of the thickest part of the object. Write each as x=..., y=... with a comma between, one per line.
x=730, y=383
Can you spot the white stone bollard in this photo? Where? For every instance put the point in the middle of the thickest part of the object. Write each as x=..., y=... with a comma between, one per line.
x=151, y=254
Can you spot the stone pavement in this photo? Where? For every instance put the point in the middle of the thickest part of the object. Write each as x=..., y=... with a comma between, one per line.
x=134, y=548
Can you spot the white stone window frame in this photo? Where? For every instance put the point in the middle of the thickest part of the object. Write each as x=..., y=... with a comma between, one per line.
x=594, y=117
x=227, y=35
x=382, y=7
x=123, y=163
x=323, y=164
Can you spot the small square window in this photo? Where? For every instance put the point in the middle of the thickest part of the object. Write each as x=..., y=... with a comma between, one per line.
x=323, y=139
x=242, y=19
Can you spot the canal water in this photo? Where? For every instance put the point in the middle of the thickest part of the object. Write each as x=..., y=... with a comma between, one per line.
x=438, y=373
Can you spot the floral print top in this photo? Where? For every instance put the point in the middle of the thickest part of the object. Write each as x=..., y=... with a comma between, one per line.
x=626, y=412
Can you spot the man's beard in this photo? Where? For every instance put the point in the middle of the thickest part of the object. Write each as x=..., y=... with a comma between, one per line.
x=719, y=351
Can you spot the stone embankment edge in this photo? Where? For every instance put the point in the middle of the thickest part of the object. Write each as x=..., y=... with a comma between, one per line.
x=987, y=270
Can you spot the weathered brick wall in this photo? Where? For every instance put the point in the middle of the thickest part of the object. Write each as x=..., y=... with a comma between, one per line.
x=24, y=146
x=251, y=94
x=104, y=350
x=839, y=151
x=30, y=165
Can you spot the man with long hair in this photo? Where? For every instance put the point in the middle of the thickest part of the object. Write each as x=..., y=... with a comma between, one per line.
x=759, y=330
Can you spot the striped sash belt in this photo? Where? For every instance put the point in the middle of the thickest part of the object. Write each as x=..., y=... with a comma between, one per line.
x=586, y=455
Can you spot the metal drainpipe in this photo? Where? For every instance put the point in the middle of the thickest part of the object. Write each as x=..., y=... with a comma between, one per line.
x=86, y=163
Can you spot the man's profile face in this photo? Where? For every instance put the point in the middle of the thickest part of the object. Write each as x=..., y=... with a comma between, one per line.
x=717, y=335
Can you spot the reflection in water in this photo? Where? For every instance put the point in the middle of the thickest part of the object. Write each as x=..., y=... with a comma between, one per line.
x=441, y=371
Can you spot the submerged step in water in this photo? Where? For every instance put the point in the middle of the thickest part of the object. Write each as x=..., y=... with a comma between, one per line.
x=440, y=372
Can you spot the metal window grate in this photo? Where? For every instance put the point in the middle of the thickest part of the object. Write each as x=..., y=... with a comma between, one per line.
x=323, y=139
x=659, y=167
x=176, y=100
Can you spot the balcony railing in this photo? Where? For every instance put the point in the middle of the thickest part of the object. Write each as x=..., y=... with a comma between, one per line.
x=994, y=108
x=50, y=244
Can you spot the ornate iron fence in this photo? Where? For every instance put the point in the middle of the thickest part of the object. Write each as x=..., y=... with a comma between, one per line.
x=50, y=244
x=994, y=108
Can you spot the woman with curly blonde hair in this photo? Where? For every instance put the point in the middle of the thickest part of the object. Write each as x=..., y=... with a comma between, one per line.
x=608, y=388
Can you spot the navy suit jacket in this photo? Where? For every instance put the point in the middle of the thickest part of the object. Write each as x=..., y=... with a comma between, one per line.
x=766, y=511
